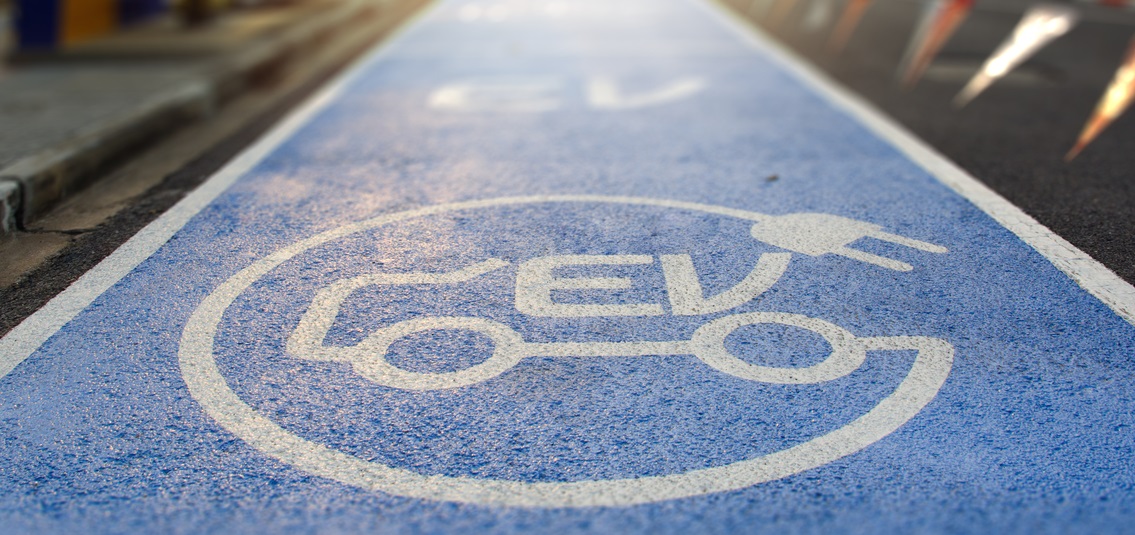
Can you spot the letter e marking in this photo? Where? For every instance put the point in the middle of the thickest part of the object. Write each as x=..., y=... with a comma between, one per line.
x=535, y=282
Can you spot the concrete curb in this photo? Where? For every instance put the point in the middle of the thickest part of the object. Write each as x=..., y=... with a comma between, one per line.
x=34, y=184
x=53, y=174
x=9, y=203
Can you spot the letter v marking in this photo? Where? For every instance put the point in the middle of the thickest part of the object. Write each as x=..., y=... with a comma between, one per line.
x=685, y=291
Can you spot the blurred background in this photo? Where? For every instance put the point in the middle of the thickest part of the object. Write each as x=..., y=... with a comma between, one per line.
x=1068, y=74
x=113, y=110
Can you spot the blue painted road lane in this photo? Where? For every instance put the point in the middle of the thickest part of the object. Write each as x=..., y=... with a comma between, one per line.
x=578, y=267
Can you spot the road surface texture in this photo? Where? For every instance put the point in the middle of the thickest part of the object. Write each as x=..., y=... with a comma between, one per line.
x=1014, y=136
x=579, y=267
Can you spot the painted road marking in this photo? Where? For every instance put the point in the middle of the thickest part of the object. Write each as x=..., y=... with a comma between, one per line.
x=1088, y=273
x=517, y=94
x=507, y=95
x=812, y=234
x=604, y=92
x=389, y=316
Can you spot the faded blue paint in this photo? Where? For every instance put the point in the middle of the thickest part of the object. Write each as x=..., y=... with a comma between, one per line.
x=1031, y=433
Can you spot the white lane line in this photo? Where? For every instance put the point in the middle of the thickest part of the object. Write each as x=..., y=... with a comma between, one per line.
x=30, y=334
x=1091, y=275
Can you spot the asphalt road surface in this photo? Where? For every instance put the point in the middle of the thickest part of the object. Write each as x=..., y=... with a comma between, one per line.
x=579, y=267
x=1014, y=136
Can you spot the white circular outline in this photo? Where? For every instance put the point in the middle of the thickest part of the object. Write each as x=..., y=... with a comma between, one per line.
x=208, y=386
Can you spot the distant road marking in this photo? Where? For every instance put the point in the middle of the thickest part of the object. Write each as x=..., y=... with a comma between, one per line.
x=535, y=94
x=605, y=93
